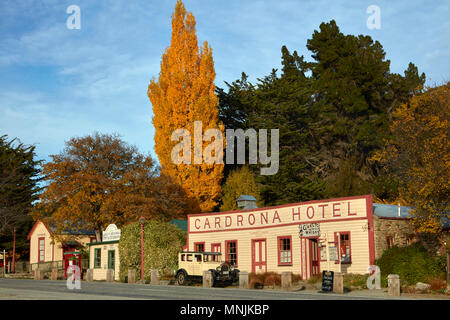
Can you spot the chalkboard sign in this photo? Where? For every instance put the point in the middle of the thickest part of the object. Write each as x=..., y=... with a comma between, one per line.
x=327, y=281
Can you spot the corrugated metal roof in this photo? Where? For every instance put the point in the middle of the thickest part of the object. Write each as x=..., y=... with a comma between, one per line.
x=180, y=223
x=246, y=197
x=74, y=231
x=391, y=211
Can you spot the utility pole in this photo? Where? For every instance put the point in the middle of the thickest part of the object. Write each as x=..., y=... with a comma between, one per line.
x=448, y=268
x=13, y=268
x=141, y=221
x=339, y=251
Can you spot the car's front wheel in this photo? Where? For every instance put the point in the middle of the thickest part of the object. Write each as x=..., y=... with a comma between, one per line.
x=181, y=278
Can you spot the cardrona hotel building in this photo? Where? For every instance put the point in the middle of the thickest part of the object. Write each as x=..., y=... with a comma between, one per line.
x=342, y=234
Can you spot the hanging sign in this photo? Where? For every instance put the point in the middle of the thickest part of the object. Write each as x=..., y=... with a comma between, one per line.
x=112, y=233
x=323, y=252
x=309, y=230
x=333, y=253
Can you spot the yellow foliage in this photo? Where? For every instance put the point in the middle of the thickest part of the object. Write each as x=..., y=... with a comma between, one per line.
x=400, y=201
x=240, y=182
x=419, y=154
x=185, y=93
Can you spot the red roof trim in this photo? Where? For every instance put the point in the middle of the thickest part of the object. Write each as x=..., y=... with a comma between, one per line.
x=34, y=227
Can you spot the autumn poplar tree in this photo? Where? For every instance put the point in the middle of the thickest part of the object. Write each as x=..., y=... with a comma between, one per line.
x=183, y=94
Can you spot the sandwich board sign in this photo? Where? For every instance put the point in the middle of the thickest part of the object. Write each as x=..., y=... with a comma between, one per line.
x=327, y=281
x=112, y=233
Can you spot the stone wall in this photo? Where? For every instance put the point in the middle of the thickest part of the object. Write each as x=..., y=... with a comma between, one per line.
x=403, y=234
x=399, y=229
x=433, y=243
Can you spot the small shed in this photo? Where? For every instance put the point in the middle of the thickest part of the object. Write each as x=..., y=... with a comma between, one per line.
x=103, y=256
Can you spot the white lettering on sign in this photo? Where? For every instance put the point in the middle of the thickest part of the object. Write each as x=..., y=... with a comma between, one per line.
x=307, y=213
x=111, y=233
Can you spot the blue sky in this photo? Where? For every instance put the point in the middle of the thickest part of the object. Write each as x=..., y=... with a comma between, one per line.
x=57, y=83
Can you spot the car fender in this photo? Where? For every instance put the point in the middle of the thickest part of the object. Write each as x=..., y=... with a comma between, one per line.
x=181, y=270
x=213, y=271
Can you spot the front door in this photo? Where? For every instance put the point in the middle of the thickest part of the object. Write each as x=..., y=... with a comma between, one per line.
x=259, y=255
x=314, y=257
x=111, y=259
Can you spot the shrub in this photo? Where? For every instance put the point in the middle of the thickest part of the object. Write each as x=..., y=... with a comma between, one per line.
x=162, y=243
x=264, y=279
x=412, y=263
x=315, y=279
x=356, y=280
x=272, y=278
x=296, y=278
x=255, y=280
x=437, y=283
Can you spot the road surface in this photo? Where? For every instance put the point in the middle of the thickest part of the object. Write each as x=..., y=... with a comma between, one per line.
x=56, y=290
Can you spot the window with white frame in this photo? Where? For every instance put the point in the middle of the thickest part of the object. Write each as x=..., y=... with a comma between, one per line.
x=41, y=249
x=285, y=250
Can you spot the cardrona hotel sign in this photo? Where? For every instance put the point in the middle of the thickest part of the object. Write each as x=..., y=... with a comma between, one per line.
x=307, y=212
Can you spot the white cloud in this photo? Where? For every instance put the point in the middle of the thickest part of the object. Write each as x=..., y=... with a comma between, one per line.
x=103, y=70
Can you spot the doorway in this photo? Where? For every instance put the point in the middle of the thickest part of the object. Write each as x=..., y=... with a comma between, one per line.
x=259, y=255
x=111, y=259
x=314, y=257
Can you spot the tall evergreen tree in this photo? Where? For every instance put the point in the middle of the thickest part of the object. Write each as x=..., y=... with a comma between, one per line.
x=282, y=102
x=278, y=102
x=19, y=188
x=333, y=114
x=183, y=94
x=354, y=95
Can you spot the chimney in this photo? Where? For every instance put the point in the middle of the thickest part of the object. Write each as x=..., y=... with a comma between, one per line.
x=246, y=202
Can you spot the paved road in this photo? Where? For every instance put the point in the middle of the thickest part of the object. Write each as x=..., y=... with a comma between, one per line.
x=55, y=290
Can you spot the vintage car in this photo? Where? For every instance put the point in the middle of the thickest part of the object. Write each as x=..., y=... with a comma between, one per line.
x=192, y=264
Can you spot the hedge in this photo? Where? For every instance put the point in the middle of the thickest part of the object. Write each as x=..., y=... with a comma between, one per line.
x=412, y=263
x=162, y=243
